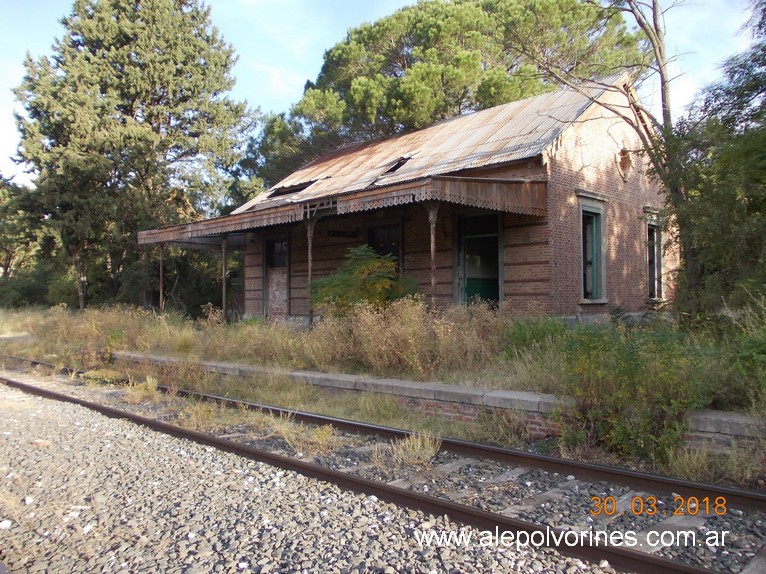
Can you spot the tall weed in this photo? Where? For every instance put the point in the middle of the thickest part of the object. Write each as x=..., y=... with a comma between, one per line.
x=631, y=387
x=749, y=355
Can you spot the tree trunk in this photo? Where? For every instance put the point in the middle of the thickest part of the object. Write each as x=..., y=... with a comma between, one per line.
x=81, y=278
x=7, y=266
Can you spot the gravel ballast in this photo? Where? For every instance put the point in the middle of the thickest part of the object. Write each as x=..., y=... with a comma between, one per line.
x=80, y=492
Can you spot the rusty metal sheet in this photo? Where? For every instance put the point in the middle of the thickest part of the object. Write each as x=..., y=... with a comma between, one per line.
x=509, y=132
x=279, y=214
x=506, y=133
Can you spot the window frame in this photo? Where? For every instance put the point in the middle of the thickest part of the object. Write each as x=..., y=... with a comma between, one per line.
x=270, y=258
x=387, y=224
x=593, y=205
x=655, y=284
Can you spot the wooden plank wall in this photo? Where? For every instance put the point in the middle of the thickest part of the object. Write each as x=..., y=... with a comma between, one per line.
x=254, y=274
x=333, y=236
x=526, y=257
x=417, y=252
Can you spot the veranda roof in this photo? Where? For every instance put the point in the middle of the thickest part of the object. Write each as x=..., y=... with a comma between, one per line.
x=412, y=167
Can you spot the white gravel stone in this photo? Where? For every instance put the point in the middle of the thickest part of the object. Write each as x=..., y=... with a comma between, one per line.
x=141, y=501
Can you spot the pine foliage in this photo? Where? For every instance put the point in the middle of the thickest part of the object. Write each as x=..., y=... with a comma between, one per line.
x=127, y=125
x=436, y=60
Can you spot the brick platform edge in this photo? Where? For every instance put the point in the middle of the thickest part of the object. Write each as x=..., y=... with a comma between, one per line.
x=715, y=428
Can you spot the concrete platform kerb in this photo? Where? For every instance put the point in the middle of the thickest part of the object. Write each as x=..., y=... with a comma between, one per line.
x=476, y=396
x=702, y=426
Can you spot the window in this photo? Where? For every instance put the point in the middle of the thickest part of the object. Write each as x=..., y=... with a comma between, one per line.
x=591, y=255
x=385, y=239
x=276, y=253
x=654, y=260
x=593, y=264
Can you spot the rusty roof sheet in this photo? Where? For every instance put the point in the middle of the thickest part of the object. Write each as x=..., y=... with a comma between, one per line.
x=514, y=131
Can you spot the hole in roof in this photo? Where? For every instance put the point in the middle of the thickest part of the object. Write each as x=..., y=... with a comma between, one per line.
x=399, y=163
x=290, y=189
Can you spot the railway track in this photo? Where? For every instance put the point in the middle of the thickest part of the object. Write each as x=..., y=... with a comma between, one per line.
x=502, y=490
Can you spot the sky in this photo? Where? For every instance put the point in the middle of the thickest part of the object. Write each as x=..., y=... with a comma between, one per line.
x=280, y=44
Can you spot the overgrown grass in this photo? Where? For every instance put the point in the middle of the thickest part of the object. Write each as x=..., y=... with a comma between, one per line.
x=722, y=362
x=630, y=382
x=745, y=462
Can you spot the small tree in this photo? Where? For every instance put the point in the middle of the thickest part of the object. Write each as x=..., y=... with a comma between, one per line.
x=365, y=276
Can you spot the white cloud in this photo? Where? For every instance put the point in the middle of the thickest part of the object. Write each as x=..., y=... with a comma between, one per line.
x=276, y=85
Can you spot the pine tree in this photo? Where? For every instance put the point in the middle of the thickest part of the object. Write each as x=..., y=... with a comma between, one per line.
x=433, y=61
x=127, y=124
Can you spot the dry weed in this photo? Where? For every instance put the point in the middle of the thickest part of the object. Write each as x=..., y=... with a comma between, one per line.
x=504, y=428
x=103, y=376
x=742, y=465
x=305, y=440
x=200, y=416
x=139, y=393
x=380, y=409
x=416, y=450
x=255, y=419
x=540, y=369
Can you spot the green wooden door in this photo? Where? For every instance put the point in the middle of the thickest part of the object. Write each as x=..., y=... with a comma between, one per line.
x=480, y=258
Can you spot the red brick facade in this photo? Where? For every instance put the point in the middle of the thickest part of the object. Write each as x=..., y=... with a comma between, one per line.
x=593, y=163
x=585, y=161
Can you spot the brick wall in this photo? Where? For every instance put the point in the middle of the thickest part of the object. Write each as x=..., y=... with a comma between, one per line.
x=541, y=272
x=711, y=428
x=254, y=275
x=276, y=286
x=538, y=425
x=585, y=157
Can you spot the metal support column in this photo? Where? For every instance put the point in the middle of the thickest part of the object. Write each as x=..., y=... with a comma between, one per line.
x=433, y=208
x=310, y=224
x=162, y=278
x=223, y=277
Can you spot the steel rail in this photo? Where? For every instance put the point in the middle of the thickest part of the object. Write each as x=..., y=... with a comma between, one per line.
x=751, y=500
x=617, y=556
x=748, y=499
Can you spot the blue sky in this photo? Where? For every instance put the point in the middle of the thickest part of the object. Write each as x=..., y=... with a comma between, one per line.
x=280, y=44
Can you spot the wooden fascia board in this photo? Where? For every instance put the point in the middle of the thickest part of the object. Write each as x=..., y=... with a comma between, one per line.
x=219, y=226
x=509, y=195
x=500, y=194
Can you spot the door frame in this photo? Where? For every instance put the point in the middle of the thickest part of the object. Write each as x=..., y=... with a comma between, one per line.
x=275, y=238
x=459, y=276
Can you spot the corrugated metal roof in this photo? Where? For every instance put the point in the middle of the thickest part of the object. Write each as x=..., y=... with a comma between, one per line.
x=514, y=131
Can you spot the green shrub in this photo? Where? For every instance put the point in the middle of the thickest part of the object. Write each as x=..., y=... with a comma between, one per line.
x=748, y=350
x=366, y=277
x=631, y=387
